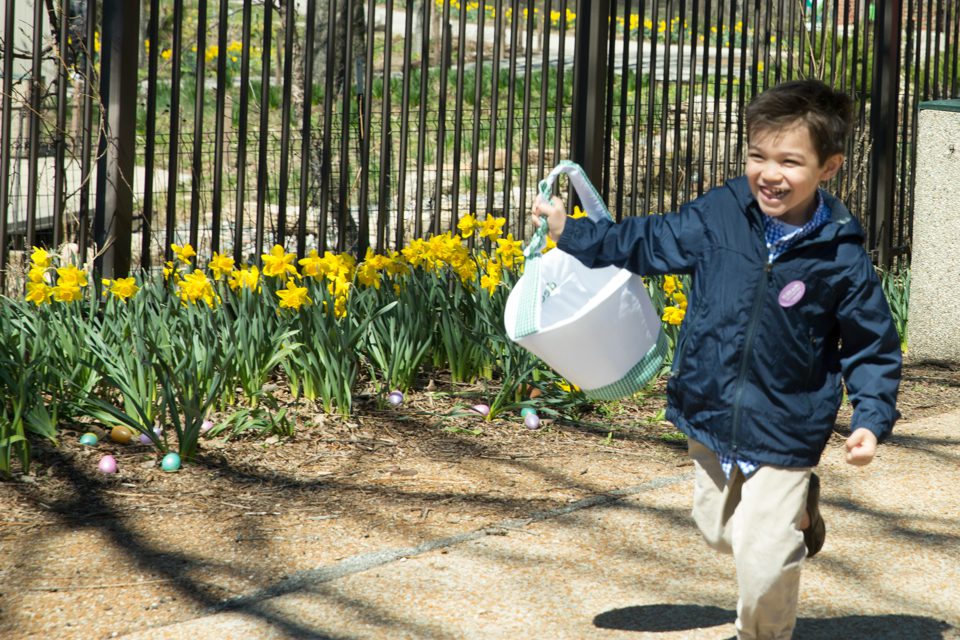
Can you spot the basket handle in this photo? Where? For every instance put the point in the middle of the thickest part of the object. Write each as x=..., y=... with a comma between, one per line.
x=593, y=204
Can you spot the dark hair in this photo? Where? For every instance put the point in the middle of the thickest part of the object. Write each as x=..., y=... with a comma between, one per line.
x=826, y=113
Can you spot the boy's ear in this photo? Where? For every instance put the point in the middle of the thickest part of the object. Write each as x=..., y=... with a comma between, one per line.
x=831, y=167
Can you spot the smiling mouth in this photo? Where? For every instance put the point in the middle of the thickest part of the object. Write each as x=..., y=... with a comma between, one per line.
x=774, y=194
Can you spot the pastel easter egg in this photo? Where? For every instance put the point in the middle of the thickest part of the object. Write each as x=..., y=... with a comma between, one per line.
x=532, y=421
x=482, y=409
x=158, y=430
x=395, y=398
x=108, y=464
x=170, y=462
x=121, y=434
x=145, y=439
x=206, y=426
x=527, y=411
x=89, y=439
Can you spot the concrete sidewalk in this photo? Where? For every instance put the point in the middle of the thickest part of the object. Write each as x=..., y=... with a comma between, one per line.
x=631, y=564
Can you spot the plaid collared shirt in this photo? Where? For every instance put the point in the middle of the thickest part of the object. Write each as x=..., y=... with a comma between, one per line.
x=779, y=237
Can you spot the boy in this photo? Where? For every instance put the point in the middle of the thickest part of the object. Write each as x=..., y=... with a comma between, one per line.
x=784, y=301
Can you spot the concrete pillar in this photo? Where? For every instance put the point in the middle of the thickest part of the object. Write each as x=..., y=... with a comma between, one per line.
x=933, y=327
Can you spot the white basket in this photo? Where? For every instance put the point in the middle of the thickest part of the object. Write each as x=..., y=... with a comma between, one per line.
x=595, y=327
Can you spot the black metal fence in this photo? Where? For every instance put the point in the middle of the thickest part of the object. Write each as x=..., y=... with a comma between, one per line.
x=347, y=124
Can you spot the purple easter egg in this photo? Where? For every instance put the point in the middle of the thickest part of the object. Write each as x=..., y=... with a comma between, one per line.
x=531, y=421
x=395, y=398
x=482, y=409
x=145, y=439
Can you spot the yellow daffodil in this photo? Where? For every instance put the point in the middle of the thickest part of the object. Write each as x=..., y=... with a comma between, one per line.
x=67, y=293
x=71, y=276
x=220, y=265
x=509, y=251
x=312, y=265
x=492, y=227
x=278, y=263
x=680, y=300
x=122, y=288
x=671, y=284
x=673, y=315
x=468, y=225
x=40, y=258
x=184, y=253
x=195, y=287
x=38, y=292
x=293, y=297
x=248, y=277
x=368, y=275
x=37, y=274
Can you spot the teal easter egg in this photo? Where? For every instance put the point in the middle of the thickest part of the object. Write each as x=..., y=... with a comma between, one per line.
x=526, y=411
x=89, y=439
x=171, y=462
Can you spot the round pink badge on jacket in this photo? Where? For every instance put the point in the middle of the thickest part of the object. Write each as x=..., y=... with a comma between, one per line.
x=792, y=293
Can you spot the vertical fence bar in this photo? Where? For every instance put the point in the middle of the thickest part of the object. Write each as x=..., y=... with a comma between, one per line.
x=422, y=120
x=494, y=104
x=909, y=115
x=306, y=126
x=651, y=109
x=289, y=26
x=458, y=115
x=172, y=153
x=704, y=94
x=477, y=97
x=590, y=62
x=688, y=170
x=242, y=132
x=561, y=74
x=611, y=26
x=5, y=105
x=622, y=120
x=440, y=154
x=386, y=134
x=60, y=149
x=118, y=91
x=196, y=165
x=364, y=112
x=664, y=106
x=149, y=151
x=327, y=144
x=343, y=204
x=218, y=142
x=519, y=224
x=637, y=115
x=677, y=101
x=404, y=126
x=263, y=169
x=544, y=90
x=883, y=123
x=511, y=101
x=33, y=121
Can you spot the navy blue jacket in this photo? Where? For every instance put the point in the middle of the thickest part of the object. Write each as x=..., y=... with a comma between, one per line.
x=752, y=377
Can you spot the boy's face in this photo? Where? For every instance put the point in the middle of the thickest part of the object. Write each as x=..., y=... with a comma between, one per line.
x=784, y=171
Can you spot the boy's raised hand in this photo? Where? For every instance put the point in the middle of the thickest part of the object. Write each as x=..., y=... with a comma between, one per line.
x=861, y=447
x=553, y=210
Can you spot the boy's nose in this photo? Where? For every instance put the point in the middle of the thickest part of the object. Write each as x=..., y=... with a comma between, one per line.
x=770, y=171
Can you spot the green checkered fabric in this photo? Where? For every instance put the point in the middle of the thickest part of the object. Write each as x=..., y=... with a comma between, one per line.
x=638, y=376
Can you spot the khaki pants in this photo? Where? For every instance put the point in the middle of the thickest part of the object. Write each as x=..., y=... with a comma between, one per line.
x=757, y=520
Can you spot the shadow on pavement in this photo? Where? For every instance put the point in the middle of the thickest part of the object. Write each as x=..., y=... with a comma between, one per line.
x=685, y=617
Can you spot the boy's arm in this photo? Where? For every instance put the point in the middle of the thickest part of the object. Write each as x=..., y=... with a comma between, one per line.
x=648, y=245
x=871, y=361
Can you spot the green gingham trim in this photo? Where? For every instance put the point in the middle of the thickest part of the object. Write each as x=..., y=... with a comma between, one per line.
x=529, y=306
x=635, y=379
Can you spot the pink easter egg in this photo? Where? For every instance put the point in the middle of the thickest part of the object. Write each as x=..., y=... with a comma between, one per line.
x=108, y=464
x=482, y=409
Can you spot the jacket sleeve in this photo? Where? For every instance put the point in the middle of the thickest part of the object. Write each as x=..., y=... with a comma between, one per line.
x=646, y=245
x=870, y=352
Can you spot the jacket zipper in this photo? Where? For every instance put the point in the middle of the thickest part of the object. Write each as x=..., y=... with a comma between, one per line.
x=759, y=298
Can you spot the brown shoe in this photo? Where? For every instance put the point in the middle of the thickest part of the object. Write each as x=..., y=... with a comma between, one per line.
x=816, y=532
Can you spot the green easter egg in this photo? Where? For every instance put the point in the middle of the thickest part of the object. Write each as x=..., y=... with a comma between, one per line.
x=527, y=411
x=89, y=439
x=171, y=462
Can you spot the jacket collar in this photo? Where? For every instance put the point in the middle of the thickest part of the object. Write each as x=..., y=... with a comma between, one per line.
x=842, y=226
